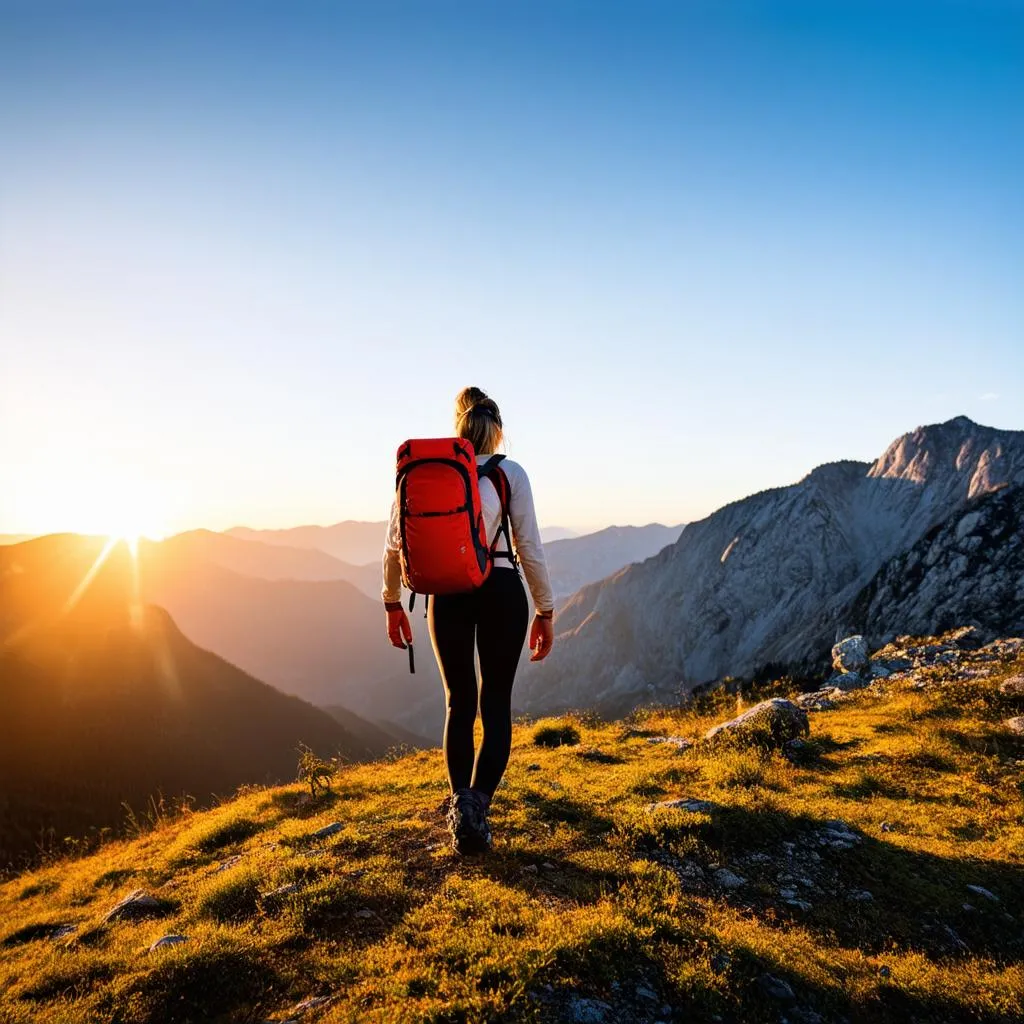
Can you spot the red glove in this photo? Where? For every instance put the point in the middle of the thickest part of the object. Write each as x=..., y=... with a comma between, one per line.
x=399, y=630
x=542, y=638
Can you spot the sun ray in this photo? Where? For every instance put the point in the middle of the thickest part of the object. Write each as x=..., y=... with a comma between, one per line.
x=90, y=575
x=22, y=634
x=135, y=611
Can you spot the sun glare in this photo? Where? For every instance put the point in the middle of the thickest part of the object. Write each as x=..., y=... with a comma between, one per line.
x=114, y=502
x=130, y=538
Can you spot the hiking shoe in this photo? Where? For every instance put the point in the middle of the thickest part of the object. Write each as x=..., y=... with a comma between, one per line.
x=467, y=823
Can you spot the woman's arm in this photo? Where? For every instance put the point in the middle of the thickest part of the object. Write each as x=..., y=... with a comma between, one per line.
x=529, y=547
x=391, y=591
x=397, y=622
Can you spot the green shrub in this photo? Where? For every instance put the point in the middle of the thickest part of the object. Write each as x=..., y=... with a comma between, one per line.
x=556, y=736
x=315, y=771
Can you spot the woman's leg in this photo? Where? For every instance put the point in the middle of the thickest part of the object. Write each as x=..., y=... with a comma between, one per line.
x=502, y=620
x=452, y=623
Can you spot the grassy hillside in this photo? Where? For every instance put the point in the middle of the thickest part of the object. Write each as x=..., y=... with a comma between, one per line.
x=845, y=893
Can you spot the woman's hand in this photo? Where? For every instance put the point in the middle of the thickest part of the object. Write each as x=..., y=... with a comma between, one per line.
x=399, y=630
x=542, y=637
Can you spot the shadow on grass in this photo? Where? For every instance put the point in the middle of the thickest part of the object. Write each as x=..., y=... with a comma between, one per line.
x=202, y=986
x=919, y=900
x=599, y=757
x=564, y=810
x=884, y=1003
x=561, y=878
x=817, y=753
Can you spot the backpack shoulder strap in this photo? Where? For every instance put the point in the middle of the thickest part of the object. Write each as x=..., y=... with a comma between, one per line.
x=492, y=470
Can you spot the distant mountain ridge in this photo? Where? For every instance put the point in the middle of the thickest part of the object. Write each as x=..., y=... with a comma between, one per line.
x=352, y=541
x=322, y=640
x=355, y=542
x=106, y=701
x=758, y=581
x=260, y=560
x=256, y=558
x=575, y=562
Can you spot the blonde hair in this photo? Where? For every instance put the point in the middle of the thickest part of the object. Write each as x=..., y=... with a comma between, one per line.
x=477, y=420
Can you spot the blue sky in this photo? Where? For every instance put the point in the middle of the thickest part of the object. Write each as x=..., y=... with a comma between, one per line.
x=692, y=249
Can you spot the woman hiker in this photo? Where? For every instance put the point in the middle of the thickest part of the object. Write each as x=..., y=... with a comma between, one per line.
x=491, y=620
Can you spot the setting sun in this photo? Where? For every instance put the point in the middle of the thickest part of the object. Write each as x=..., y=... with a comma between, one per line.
x=100, y=501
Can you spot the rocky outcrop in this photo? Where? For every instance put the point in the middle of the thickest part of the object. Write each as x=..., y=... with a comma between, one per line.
x=968, y=569
x=138, y=905
x=1012, y=687
x=771, y=723
x=768, y=581
x=850, y=655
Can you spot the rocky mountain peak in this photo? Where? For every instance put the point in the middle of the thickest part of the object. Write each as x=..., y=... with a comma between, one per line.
x=984, y=456
x=767, y=580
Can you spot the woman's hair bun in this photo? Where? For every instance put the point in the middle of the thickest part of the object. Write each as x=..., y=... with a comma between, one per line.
x=477, y=418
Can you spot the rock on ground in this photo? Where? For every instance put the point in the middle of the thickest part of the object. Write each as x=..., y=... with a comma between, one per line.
x=776, y=988
x=327, y=830
x=1012, y=687
x=137, y=906
x=691, y=805
x=846, y=681
x=280, y=892
x=726, y=879
x=980, y=890
x=850, y=655
x=588, y=1011
x=676, y=741
x=819, y=700
x=771, y=723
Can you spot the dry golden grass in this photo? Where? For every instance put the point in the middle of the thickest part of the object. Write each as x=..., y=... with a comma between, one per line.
x=586, y=892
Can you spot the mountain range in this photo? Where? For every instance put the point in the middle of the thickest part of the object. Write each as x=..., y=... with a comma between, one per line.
x=107, y=702
x=322, y=640
x=765, y=583
x=334, y=552
x=358, y=543
x=575, y=562
x=311, y=624
x=178, y=664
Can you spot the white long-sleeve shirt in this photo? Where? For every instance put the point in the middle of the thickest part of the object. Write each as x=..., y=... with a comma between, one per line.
x=525, y=536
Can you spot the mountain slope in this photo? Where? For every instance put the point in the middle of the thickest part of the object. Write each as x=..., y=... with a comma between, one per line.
x=358, y=543
x=969, y=569
x=752, y=584
x=263, y=561
x=871, y=874
x=105, y=701
x=575, y=562
x=324, y=641
x=387, y=735
x=253, y=558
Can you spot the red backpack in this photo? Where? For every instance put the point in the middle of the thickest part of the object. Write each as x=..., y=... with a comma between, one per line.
x=444, y=544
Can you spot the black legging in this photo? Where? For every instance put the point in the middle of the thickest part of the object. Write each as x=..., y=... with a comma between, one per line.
x=497, y=613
